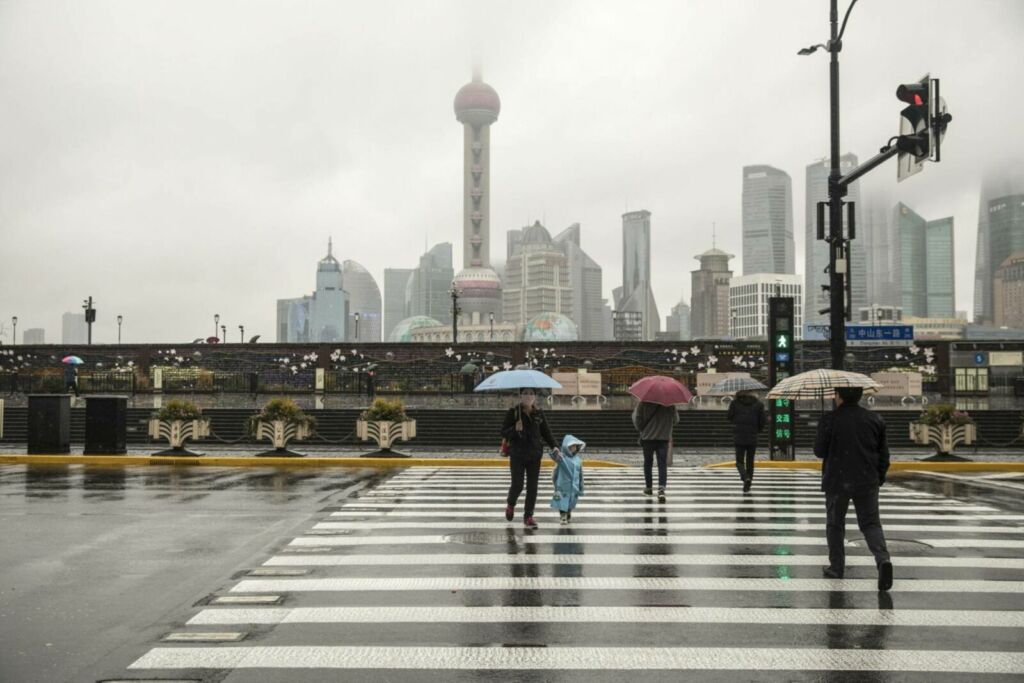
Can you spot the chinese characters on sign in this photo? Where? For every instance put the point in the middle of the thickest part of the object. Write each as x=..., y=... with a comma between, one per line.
x=780, y=366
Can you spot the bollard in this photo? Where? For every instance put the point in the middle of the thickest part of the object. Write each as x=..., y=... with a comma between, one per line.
x=106, y=425
x=49, y=424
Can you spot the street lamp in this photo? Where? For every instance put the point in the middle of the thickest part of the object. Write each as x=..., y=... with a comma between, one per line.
x=120, y=319
x=216, y=321
x=241, y=333
x=455, y=292
x=491, y=316
x=14, y=334
x=732, y=323
x=224, y=333
x=357, y=326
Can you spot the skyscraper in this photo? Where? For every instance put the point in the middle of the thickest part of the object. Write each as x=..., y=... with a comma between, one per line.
x=427, y=290
x=1007, y=294
x=1003, y=228
x=709, y=295
x=748, y=303
x=637, y=296
x=364, y=299
x=677, y=324
x=999, y=182
x=477, y=107
x=816, y=252
x=768, y=245
x=396, y=280
x=536, y=278
x=876, y=233
x=34, y=335
x=924, y=261
x=585, y=276
x=73, y=330
x=320, y=317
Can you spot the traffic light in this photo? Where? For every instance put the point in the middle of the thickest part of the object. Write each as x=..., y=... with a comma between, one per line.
x=915, y=126
x=781, y=335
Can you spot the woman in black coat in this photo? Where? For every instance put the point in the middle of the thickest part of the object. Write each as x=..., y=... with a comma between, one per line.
x=526, y=430
x=747, y=416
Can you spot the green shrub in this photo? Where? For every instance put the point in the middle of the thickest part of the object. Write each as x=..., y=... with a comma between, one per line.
x=178, y=410
x=383, y=410
x=283, y=409
x=943, y=414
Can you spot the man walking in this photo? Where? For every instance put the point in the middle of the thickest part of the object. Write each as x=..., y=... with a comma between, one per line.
x=747, y=416
x=851, y=442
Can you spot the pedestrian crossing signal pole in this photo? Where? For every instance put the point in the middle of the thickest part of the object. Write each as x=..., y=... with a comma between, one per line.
x=780, y=366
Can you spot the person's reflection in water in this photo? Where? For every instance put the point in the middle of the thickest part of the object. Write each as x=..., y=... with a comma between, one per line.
x=46, y=481
x=858, y=637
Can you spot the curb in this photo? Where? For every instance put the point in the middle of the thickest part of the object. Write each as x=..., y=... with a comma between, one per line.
x=903, y=466
x=228, y=461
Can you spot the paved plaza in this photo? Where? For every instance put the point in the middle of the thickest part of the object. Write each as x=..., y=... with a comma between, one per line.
x=414, y=575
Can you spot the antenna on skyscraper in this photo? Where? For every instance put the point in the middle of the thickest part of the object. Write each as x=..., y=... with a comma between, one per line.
x=713, y=235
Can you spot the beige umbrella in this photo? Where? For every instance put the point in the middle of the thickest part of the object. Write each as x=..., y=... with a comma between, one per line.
x=821, y=383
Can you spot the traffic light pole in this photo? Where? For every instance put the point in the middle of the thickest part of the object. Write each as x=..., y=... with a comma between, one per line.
x=836, y=191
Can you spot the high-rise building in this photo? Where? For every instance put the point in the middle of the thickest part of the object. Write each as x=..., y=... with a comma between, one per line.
x=321, y=317
x=1007, y=292
x=477, y=107
x=768, y=245
x=363, y=298
x=999, y=184
x=428, y=287
x=876, y=236
x=924, y=261
x=536, y=278
x=34, y=335
x=396, y=309
x=677, y=324
x=709, y=295
x=816, y=259
x=637, y=295
x=585, y=276
x=1004, y=231
x=748, y=303
x=73, y=329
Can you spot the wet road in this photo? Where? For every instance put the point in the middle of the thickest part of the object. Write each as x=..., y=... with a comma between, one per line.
x=416, y=576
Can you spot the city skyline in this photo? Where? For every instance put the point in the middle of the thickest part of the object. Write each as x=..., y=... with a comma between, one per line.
x=115, y=170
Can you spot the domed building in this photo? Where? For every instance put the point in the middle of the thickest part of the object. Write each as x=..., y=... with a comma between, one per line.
x=321, y=316
x=405, y=330
x=550, y=327
x=537, y=277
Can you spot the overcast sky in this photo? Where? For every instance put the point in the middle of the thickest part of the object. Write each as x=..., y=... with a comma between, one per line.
x=180, y=159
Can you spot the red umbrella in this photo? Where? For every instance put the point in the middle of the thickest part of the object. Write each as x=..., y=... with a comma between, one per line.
x=662, y=390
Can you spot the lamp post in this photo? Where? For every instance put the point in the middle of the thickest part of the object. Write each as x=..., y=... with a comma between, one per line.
x=216, y=321
x=454, y=292
x=241, y=333
x=357, y=326
x=224, y=333
x=14, y=333
x=491, y=316
x=120, y=319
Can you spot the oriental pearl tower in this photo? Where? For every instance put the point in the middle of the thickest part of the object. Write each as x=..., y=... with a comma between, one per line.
x=476, y=107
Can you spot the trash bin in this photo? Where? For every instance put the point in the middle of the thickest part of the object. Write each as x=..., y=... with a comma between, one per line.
x=49, y=424
x=106, y=425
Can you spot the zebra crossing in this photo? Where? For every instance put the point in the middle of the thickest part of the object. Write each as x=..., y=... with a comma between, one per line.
x=421, y=578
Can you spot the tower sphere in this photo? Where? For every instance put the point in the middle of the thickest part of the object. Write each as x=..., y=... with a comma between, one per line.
x=477, y=104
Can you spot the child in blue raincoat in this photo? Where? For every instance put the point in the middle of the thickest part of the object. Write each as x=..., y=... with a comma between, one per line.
x=568, y=477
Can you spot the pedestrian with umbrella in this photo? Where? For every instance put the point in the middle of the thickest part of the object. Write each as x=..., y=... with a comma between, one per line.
x=71, y=364
x=852, y=444
x=747, y=415
x=526, y=431
x=653, y=419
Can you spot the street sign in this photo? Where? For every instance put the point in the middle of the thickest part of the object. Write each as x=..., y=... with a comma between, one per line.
x=870, y=335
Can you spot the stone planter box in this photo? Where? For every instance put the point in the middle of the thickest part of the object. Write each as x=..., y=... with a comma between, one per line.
x=944, y=437
x=279, y=433
x=385, y=433
x=177, y=432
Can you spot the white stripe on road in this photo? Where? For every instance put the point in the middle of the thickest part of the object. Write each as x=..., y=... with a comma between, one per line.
x=611, y=615
x=580, y=658
x=681, y=526
x=545, y=513
x=738, y=505
x=436, y=559
x=526, y=583
x=534, y=538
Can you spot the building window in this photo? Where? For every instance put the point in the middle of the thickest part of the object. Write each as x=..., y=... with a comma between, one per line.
x=972, y=380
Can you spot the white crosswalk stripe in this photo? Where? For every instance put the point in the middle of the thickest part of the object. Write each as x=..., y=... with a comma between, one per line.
x=422, y=572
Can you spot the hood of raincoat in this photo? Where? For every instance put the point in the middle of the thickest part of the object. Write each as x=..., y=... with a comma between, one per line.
x=571, y=440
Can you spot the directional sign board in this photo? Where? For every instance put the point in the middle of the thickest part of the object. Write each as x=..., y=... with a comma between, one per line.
x=879, y=335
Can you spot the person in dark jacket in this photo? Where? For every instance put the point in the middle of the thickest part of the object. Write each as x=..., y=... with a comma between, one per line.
x=526, y=430
x=851, y=442
x=71, y=379
x=746, y=414
x=654, y=423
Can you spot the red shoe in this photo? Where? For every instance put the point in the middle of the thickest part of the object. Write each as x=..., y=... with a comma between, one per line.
x=509, y=513
x=529, y=523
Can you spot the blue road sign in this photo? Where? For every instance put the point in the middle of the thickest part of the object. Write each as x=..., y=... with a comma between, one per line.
x=880, y=333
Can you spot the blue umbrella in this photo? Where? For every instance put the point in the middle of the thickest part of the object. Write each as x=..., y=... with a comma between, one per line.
x=72, y=360
x=517, y=379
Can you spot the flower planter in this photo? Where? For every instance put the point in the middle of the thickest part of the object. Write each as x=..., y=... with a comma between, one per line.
x=279, y=433
x=385, y=433
x=177, y=432
x=945, y=437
